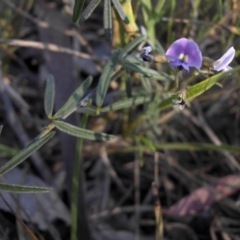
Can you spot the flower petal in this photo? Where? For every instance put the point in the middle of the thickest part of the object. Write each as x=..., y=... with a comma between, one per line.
x=170, y=58
x=176, y=63
x=176, y=49
x=224, y=61
x=194, y=55
x=147, y=49
x=227, y=69
x=185, y=66
x=179, y=63
x=145, y=57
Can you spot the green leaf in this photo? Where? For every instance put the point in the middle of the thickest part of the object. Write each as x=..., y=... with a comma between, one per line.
x=146, y=83
x=131, y=46
x=118, y=74
x=26, y=152
x=106, y=78
x=88, y=10
x=120, y=11
x=71, y=105
x=134, y=60
x=49, y=96
x=90, y=110
x=77, y=9
x=127, y=103
x=203, y=86
x=6, y=151
x=22, y=189
x=198, y=88
x=1, y=127
x=159, y=7
x=82, y=133
x=147, y=71
x=107, y=20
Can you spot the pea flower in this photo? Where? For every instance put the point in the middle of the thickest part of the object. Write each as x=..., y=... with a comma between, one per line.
x=180, y=102
x=183, y=54
x=145, y=54
x=181, y=96
x=222, y=63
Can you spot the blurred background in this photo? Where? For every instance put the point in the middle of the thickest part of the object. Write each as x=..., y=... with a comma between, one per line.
x=169, y=174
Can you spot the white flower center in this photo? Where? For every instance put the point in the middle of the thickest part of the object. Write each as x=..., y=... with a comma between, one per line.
x=183, y=58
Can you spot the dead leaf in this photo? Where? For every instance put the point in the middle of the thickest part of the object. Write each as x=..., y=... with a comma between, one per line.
x=205, y=196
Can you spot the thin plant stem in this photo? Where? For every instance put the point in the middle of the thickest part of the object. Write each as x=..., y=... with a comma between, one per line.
x=177, y=80
x=75, y=182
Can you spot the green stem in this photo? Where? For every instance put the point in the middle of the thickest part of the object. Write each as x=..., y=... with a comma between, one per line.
x=170, y=23
x=75, y=182
x=177, y=80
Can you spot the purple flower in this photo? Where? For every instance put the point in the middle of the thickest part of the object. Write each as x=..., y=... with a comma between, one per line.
x=183, y=54
x=222, y=63
x=145, y=54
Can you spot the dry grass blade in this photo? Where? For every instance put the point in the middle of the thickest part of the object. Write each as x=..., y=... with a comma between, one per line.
x=201, y=122
x=137, y=195
x=111, y=170
x=25, y=227
x=158, y=212
x=43, y=46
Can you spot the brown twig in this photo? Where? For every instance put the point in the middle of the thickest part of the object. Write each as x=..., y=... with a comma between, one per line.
x=27, y=230
x=156, y=167
x=158, y=212
x=110, y=169
x=137, y=195
x=44, y=46
x=40, y=23
x=118, y=210
x=201, y=122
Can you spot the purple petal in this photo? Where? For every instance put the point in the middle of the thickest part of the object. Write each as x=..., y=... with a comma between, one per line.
x=194, y=55
x=176, y=48
x=176, y=63
x=145, y=57
x=147, y=49
x=227, y=69
x=224, y=61
x=185, y=66
x=179, y=63
x=170, y=58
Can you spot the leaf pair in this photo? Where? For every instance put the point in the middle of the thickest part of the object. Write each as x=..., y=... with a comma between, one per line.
x=80, y=16
x=19, y=158
x=109, y=69
x=13, y=187
x=71, y=105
